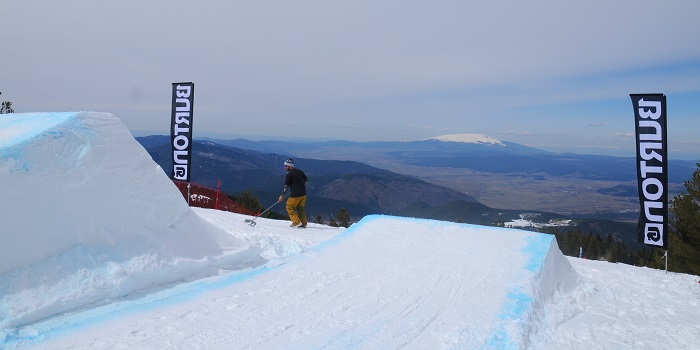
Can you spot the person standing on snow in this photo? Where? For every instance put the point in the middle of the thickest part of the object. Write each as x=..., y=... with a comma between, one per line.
x=296, y=204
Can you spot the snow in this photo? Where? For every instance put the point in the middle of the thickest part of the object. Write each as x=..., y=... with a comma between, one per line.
x=526, y=222
x=468, y=138
x=106, y=254
x=89, y=216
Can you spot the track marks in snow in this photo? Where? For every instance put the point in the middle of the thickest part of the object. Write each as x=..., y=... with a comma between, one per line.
x=398, y=284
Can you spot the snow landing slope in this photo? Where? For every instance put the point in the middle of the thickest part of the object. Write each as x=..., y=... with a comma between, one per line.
x=87, y=216
x=384, y=283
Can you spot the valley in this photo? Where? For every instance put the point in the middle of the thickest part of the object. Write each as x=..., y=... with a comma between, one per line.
x=481, y=183
x=566, y=196
x=515, y=191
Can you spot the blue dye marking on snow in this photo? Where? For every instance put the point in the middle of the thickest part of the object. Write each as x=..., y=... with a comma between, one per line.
x=514, y=310
x=17, y=128
x=346, y=233
x=537, y=248
x=72, y=321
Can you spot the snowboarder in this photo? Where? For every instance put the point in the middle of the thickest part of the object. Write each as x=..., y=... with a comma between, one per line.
x=296, y=204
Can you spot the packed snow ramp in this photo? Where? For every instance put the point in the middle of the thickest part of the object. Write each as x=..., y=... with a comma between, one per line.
x=87, y=210
x=384, y=283
x=390, y=282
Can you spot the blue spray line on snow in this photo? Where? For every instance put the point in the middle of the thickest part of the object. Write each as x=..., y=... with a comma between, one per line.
x=25, y=126
x=512, y=316
x=75, y=320
x=72, y=321
x=514, y=311
x=345, y=234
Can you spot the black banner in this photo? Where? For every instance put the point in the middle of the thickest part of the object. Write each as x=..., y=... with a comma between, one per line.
x=181, y=130
x=652, y=168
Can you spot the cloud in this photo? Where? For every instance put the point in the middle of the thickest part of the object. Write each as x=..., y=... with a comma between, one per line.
x=377, y=65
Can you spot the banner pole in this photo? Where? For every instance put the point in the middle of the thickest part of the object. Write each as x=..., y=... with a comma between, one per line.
x=188, y=194
x=218, y=189
x=666, y=255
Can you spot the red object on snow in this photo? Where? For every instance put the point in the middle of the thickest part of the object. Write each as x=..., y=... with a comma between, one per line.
x=205, y=197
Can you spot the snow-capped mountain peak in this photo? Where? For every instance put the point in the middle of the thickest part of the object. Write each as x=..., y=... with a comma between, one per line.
x=468, y=138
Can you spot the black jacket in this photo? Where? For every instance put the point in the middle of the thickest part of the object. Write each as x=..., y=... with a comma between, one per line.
x=296, y=180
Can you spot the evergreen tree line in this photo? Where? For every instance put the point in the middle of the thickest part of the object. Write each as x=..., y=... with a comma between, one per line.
x=593, y=246
x=683, y=238
x=342, y=219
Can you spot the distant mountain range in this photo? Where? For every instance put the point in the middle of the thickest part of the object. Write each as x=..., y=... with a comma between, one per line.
x=363, y=178
x=333, y=184
x=500, y=174
x=476, y=152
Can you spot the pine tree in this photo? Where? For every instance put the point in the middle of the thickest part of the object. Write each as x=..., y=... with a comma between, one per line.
x=249, y=201
x=684, y=240
x=611, y=249
x=6, y=107
x=319, y=220
x=574, y=242
x=343, y=217
x=332, y=223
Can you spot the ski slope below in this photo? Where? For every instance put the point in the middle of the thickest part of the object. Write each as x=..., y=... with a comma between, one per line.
x=386, y=282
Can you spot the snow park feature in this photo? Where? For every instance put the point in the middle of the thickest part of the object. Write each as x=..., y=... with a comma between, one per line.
x=89, y=216
x=99, y=250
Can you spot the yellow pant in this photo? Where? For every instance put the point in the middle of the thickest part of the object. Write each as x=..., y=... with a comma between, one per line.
x=296, y=208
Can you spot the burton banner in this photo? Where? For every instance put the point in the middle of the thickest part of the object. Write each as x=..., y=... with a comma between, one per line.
x=181, y=130
x=652, y=168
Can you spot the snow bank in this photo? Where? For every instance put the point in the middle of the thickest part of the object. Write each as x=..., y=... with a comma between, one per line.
x=89, y=216
x=555, y=277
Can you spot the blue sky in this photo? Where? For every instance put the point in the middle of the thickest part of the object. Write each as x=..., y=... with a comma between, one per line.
x=549, y=74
